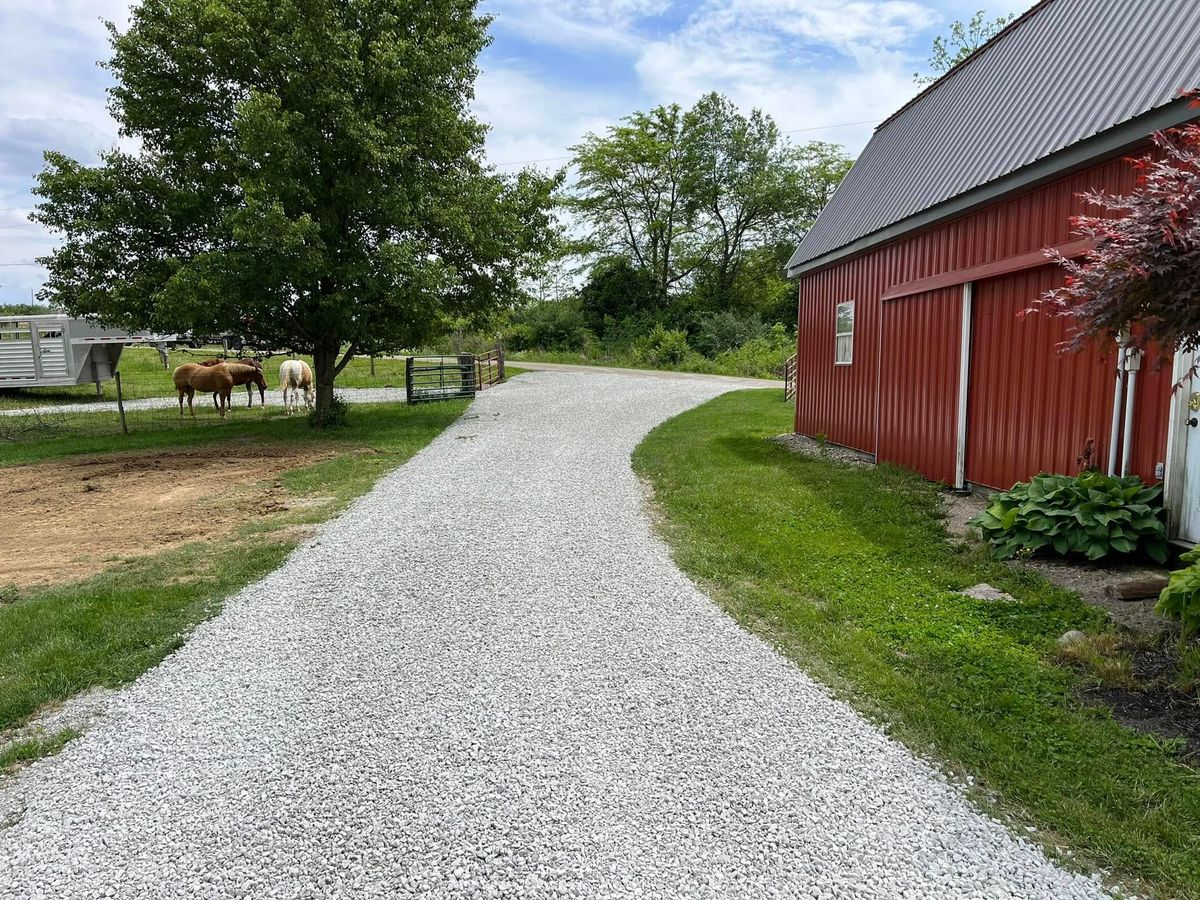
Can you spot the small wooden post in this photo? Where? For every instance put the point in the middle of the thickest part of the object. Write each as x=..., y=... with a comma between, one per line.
x=408, y=379
x=466, y=368
x=372, y=366
x=500, y=357
x=121, y=404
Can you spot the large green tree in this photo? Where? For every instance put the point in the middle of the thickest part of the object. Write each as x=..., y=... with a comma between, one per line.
x=689, y=196
x=629, y=195
x=307, y=173
x=747, y=188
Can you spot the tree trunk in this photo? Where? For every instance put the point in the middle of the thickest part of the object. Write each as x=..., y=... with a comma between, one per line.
x=324, y=371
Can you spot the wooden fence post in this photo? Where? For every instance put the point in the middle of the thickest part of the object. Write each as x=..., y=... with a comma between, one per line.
x=408, y=378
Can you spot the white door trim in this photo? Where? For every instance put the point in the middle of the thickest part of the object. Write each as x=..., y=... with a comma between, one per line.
x=1173, y=478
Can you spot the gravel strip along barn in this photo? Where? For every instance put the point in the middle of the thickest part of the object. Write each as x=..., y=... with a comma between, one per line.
x=488, y=679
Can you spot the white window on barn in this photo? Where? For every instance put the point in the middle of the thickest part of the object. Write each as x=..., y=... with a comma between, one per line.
x=843, y=328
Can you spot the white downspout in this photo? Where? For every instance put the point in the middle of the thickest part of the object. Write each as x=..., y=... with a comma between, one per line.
x=1114, y=433
x=964, y=384
x=1133, y=362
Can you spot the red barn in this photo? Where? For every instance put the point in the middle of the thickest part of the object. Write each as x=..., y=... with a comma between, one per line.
x=909, y=346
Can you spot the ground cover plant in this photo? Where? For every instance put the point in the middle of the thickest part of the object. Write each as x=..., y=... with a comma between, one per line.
x=1180, y=599
x=58, y=640
x=1093, y=514
x=848, y=570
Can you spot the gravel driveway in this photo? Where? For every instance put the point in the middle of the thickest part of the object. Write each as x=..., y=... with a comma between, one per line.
x=488, y=679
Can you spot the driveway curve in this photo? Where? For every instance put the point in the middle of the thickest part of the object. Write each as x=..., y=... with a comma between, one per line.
x=488, y=679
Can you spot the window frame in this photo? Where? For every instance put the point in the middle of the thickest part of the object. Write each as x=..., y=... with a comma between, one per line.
x=838, y=335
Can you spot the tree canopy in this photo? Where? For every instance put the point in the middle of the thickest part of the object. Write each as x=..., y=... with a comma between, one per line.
x=308, y=173
x=692, y=197
x=1143, y=275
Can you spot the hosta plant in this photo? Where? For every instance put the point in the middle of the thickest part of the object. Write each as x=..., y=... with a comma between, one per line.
x=1092, y=514
x=1180, y=599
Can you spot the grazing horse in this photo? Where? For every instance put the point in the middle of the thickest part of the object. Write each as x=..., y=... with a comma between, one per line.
x=192, y=377
x=248, y=371
x=295, y=376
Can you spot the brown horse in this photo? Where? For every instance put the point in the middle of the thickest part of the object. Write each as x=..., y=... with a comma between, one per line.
x=192, y=377
x=238, y=369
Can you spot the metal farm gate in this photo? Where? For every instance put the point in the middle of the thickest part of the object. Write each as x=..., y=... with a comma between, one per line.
x=430, y=378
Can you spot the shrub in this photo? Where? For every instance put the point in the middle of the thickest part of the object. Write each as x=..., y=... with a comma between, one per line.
x=1092, y=513
x=664, y=347
x=548, y=325
x=1180, y=599
x=335, y=416
x=761, y=357
x=726, y=331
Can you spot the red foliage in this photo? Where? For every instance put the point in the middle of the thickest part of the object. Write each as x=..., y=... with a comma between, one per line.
x=1144, y=272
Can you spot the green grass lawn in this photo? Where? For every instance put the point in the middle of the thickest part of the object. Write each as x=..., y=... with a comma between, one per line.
x=849, y=571
x=58, y=641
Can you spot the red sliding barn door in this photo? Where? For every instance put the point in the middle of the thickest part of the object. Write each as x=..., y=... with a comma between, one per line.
x=918, y=382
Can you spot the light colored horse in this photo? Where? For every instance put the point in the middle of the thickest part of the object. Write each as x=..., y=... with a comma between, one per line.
x=295, y=376
x=192, y=377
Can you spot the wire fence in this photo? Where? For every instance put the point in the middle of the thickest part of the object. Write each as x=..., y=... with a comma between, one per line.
x=148, y=399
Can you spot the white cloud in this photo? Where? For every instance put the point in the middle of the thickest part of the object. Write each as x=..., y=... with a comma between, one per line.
x=809, y=63
x=531, y=119
x=607, y=25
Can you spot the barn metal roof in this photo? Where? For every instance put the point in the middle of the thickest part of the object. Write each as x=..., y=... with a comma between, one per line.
x=1064, y=72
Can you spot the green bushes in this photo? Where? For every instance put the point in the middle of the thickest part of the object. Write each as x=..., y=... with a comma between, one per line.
x=760, y=357
x=1180, y=599
x=549, y=325
x=1091, y=514
x=664, y=347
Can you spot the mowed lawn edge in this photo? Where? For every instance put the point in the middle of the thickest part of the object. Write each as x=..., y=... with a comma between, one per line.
x=849, y=572
x=107, y=630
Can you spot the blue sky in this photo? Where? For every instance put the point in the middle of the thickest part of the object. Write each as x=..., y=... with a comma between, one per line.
x=556, y=70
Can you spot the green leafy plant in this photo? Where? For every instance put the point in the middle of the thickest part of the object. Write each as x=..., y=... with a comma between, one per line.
x=333, y=417
x=1091, y=514
x=1180, y=599
x=662, y=346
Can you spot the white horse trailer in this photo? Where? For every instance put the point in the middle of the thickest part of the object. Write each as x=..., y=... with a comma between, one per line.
x=44, y=351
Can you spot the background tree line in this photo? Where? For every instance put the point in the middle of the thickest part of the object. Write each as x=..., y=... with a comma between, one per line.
x=682, y=222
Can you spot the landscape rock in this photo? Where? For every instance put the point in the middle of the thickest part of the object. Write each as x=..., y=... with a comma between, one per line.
x=984, y=591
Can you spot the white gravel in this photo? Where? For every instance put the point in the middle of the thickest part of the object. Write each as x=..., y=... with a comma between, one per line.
x=350, y=395
x=488, y=679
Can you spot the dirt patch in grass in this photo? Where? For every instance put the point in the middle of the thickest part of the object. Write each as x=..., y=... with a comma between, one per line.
x=68, y=519
x=1154, y=704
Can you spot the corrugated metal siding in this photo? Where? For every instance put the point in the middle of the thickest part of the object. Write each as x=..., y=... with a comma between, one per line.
x=1070, y=70
x=1151, y=415
x=918, y=392
x=841, y=401
x=1031, y=407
